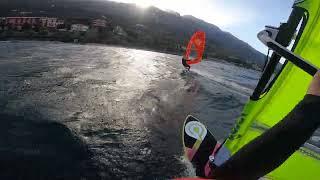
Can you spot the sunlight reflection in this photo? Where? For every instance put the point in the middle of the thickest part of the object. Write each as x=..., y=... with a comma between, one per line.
x=143, y=3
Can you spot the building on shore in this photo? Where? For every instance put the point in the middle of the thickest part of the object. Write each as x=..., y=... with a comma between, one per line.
x=60, y=22
x=140, y=28
x=49, y=22
x=79, y=28
x=99, y=23
x=2, y=23
x=19, y=22
x=32, y=22
x=119, y=31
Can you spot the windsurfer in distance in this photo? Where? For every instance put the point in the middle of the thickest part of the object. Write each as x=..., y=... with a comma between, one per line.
x=268, y=151
x=185, y=63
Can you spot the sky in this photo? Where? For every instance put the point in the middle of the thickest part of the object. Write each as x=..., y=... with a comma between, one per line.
x=243, y=18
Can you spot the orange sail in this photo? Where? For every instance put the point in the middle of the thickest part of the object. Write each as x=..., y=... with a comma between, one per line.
x=197, y=43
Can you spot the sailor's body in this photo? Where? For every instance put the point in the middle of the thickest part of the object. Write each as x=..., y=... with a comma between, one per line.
x=185, y=63
x=268, y=151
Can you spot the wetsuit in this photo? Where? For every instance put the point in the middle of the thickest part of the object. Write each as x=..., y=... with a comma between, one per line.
x=185, y=64
x=275, y=146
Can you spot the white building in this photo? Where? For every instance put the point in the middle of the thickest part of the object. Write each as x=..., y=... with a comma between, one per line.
x=79, y=28
x=60, y=22
x=119, y=31
x=49, y=22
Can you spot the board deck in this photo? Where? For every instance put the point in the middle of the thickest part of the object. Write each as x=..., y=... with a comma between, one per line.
x=201, y=147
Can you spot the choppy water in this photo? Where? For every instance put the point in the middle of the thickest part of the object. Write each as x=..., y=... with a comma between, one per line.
x=96, y=112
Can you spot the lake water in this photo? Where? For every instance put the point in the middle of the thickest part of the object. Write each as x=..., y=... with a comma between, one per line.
x=96, y=112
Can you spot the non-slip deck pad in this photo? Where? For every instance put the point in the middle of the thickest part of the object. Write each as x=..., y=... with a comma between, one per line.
x=199, y=145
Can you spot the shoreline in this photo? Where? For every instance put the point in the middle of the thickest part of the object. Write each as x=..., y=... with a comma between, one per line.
x=214, y=59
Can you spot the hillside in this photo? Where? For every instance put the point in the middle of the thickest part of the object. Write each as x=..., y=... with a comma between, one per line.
x=161, y=28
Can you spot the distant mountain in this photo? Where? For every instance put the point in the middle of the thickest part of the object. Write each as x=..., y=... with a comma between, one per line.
x=159, y=25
